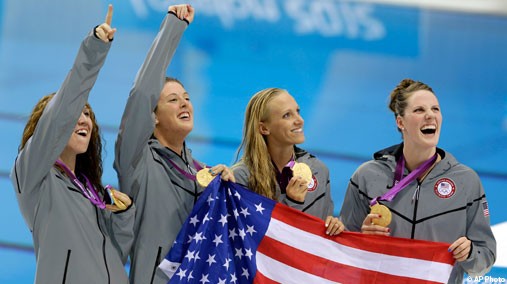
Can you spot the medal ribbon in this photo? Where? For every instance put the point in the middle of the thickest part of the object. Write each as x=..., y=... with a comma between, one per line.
x=87, y=189
x=399, y=182
x=180, y=170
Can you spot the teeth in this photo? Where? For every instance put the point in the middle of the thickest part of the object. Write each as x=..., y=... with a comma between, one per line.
x=429, y=127
x=299, y=130
x=184, y=115
x=82, y=131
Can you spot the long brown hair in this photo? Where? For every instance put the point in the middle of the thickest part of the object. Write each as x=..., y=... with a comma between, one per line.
x=256, y=156
x=88, y=163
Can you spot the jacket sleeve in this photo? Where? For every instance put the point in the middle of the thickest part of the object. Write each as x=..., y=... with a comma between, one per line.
x=355, y=205
x=56, y=124
x=137, y=123
x=121, y=230
x=479, y=231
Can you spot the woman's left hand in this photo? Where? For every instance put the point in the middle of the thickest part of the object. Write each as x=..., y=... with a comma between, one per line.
x=461, y=249
x=334, y=226
x=227, y=174
x=123, y=198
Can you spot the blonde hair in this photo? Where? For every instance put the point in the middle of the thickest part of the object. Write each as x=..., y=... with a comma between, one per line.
x=256, y=156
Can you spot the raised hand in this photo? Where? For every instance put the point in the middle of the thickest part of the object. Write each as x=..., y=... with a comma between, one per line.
x=183, y=12
x=104, y=31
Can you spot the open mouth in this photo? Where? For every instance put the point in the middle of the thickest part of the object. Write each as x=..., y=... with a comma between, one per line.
x=429, y=129
x=82, y=132
x=184, y=115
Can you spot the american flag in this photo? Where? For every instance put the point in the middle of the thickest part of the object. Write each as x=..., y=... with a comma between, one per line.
x=236, y=236
x=485, y=208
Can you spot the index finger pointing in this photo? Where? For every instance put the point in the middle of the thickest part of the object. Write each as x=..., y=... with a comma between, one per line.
x=109, y=16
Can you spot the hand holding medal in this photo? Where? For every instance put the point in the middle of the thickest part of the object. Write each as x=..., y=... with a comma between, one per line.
x=302, y=170
x=206, y=175
x=118, y=201
x=384, y=214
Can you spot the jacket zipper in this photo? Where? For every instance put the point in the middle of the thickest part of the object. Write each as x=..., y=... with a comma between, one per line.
x=103, y=246
x=416, y=199
x=66, y=267
x=156, y=264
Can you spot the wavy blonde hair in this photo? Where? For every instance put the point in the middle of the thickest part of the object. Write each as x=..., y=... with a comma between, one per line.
x=254, y=145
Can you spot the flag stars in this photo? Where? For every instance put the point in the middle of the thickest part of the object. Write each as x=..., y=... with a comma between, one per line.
x=237, y=195
x=190, y=255
x=223, y=219
x=239, y=253
x=199, y=237
x=190, y=276
x=233, y=278
x=206, y=218
x=221, y=281
x=182, y=273
x=242, y=233
x=244, y=211
x=232, y=234
x=194, y=220
x=210, y=199
x=248, y=253
x=204, y=278
x=245, y=273
x=236, y=214
x=226, y=264
x=218, y=240
x=259, y=208
x=211, y=259
x=251, y=230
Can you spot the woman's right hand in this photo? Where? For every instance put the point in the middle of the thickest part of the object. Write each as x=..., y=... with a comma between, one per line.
x=104, y=31
x=183, y=12
x=370, y=228
x=297, y=189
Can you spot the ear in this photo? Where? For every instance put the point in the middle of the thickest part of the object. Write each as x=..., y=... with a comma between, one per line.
x=156, y=118
x=263, y=129
x=400, y=123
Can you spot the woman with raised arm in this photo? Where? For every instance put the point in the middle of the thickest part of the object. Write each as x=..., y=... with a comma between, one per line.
x=57, y=178
x=152, y=160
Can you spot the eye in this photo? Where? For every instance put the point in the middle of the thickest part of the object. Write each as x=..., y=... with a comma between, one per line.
x=436, y=109
x=286, y=115
x=419, y=110
x=86, y=112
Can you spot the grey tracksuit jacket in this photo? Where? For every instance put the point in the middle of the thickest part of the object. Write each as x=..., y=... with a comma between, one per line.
x=164, y=197
x=74, y=241
x=318, y=201
x=448, y=204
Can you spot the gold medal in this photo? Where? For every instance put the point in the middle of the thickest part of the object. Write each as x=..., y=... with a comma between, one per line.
x=385, y=215
x=115, y=201
x=204, y=177
x=302, y=170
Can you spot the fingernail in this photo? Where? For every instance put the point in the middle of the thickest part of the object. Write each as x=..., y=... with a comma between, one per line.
x=380, y=216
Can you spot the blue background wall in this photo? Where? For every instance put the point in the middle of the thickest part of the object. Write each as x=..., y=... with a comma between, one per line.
x=339, y=60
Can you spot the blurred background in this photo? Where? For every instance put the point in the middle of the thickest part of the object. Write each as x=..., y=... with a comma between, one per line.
x=339, y=59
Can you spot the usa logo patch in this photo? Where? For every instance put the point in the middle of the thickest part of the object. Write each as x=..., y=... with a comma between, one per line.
x=312, y=185
x=445, y=188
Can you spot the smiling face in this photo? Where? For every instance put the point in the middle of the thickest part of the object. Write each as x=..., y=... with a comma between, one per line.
x=421, y=121
x=174, y=114
x=284, y=124
x=80, y=137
